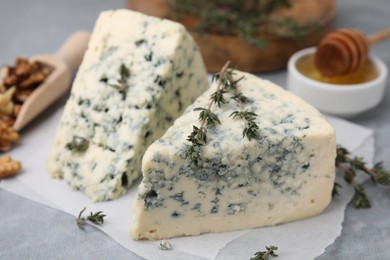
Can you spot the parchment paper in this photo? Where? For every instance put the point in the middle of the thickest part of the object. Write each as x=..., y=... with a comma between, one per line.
x=304, y=239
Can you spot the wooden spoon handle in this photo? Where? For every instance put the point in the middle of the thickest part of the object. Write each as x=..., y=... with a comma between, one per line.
x=379, y=36
x=72, y=51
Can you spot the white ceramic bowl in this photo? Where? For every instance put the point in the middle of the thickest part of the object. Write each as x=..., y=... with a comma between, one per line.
x=340, y=100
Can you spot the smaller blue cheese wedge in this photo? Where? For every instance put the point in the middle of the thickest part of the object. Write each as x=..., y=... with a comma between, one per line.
x=264, y=158
x=137, y=76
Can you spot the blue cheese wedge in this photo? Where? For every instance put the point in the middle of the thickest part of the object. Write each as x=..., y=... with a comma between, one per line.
x=285, y=173
x=137, y=76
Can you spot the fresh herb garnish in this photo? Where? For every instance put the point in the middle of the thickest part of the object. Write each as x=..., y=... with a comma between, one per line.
x=251, y=128
x=217, y=97
x=265, y=255
x=96, y=218
x=78, y=144
x=225, y=84
x=198, y=136
x=349, y=166
x=207, y=116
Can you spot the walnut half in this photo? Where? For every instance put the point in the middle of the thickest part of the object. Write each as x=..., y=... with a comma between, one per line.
x=9, y=167
x=8, y=136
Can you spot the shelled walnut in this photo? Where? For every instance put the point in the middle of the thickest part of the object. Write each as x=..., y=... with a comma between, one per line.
x=16, y=85
x=9, y=167
x=24, y=78
x=8, y=136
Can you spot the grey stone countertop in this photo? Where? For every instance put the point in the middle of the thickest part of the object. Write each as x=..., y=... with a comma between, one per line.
x=29, y=230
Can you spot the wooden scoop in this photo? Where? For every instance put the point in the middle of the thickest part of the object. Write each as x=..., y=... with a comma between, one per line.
x=345, y=51
x=65, y=63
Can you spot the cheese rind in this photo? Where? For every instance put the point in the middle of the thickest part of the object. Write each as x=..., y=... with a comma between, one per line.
x=284, y=174
x=119, y=115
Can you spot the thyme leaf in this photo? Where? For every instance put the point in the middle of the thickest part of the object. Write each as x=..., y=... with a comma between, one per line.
x=335, y=191
x=198, y=136
x=239, y=97
x=207, y=116
x=360, y=199
x=96, y=218
x=250, y=130
x=193, y=153
x=265, y=255
x=217, y=97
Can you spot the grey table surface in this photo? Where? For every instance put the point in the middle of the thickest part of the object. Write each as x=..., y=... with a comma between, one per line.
x=29, y=230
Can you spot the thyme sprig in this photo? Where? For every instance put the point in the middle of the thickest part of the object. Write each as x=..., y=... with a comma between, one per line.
x=265, y=255
x=232, y=85
x=349, y=166
x=225, y=84
x=360, y=199
x=96, y=218
x=198, y=136
x=251, y=128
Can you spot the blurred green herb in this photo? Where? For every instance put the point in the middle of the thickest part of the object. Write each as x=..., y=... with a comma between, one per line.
x=335, y=191
x=349, y=166
x=249, y=19
x=288, y=27
x=265, y=255
x=96, y=218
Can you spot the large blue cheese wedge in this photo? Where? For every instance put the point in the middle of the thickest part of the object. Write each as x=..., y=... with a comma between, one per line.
x=137, y=76
x=283, y=174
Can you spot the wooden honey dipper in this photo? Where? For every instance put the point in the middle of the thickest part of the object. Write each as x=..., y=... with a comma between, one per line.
x=344, y=51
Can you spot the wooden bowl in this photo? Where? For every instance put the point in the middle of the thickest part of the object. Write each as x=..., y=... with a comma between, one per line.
x=217, y=49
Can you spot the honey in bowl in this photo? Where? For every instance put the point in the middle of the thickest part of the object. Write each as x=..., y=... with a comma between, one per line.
x=365, y=73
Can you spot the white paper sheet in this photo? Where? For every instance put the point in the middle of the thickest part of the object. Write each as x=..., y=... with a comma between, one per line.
x=299, y=240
